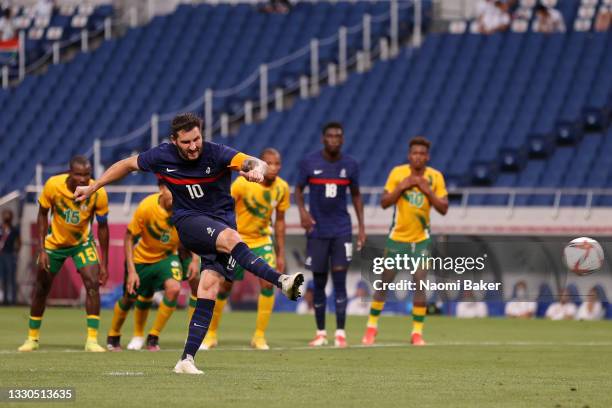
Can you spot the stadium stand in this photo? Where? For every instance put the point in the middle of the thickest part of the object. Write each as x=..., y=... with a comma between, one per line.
x=501, y=110
x=478, y=98
x=63, y=26
x=114, y=90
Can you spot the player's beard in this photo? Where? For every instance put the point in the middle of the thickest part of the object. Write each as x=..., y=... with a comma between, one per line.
x=188, y=155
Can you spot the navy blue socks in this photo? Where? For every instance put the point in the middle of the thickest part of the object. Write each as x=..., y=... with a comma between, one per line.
x=253, y=263
x=198, y=326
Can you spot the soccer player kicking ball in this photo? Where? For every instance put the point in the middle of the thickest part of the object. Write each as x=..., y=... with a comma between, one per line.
x=70, y=237
x=328, y=173
x=255, y=204
x=151, y=264
x=198, y=176
x=413, y=189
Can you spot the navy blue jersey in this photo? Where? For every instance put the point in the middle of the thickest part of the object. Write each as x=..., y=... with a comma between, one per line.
x=328, y=182
x=199, y=187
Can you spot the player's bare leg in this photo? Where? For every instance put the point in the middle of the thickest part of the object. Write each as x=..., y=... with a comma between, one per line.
x=210, y=283
x=212, y=340
x=42, y=287
x=229, y=242
x=167, y=306
x=419, y=309
x=378, y=303
x=121, y=309
x=90, y=276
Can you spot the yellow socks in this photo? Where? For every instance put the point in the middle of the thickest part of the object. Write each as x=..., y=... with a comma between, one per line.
x=140, y=314
x=119, y=315
x=166, y=308
x=93, y=323
x=265, y=304
x=34, y=327
x=418, y=319
x=376, y=309
x=217, y=312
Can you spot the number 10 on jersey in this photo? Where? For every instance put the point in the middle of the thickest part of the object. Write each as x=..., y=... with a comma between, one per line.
x=195, y=191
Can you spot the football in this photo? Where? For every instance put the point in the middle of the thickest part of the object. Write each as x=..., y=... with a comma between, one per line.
x=583, y=256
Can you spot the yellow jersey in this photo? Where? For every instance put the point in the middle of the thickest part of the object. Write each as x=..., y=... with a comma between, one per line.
x=411, y=212
x=157, y=236
x=70, y=221
x=254, y=206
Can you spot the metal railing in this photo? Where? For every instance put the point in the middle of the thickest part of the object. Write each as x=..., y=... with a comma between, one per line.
x=308, y=84
x=54, y=54
x=371, y=195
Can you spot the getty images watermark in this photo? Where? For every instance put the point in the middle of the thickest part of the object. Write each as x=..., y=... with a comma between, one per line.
x=385, y=269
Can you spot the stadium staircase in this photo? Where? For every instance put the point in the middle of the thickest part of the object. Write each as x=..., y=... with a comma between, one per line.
x=488, y=103
x=63, y=27
x=161, y=67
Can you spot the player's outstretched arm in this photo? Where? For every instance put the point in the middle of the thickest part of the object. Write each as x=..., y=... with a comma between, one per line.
x=253, y=169
x=115, y=172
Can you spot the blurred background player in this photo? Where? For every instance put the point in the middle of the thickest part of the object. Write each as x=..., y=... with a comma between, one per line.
x=591, y=308
x=563, y=309
x=412, y=189
x=70, y=236
x=10, y=244
x=358, y=305
x=327, y=174
x=255, y=204
x=198, y=175
x=520, y=307
x=152, y=263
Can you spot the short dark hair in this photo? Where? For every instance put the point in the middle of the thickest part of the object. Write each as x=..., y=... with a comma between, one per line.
x=419, y=141
x=269, y=150
x=79, y=159
x=333, y=125
x=185, y=122
x=541, y=8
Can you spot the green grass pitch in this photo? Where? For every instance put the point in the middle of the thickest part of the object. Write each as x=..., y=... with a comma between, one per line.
x=468, y=363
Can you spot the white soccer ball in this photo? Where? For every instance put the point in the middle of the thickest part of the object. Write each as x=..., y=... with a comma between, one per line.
x=583, y=256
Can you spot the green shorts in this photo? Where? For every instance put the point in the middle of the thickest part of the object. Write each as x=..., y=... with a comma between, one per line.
x=266, y=252
x=83, y=255
x=419, y=249
x=153, y=276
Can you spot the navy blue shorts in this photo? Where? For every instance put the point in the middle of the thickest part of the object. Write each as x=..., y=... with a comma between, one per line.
x=198, y=233
x=323, y=252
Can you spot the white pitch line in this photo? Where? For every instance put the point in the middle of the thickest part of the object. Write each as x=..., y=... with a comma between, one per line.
x=359, y=346
x=125, y=374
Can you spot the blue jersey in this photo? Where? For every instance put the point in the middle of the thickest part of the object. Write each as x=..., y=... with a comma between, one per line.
x=199, y=187
x=328, y=182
